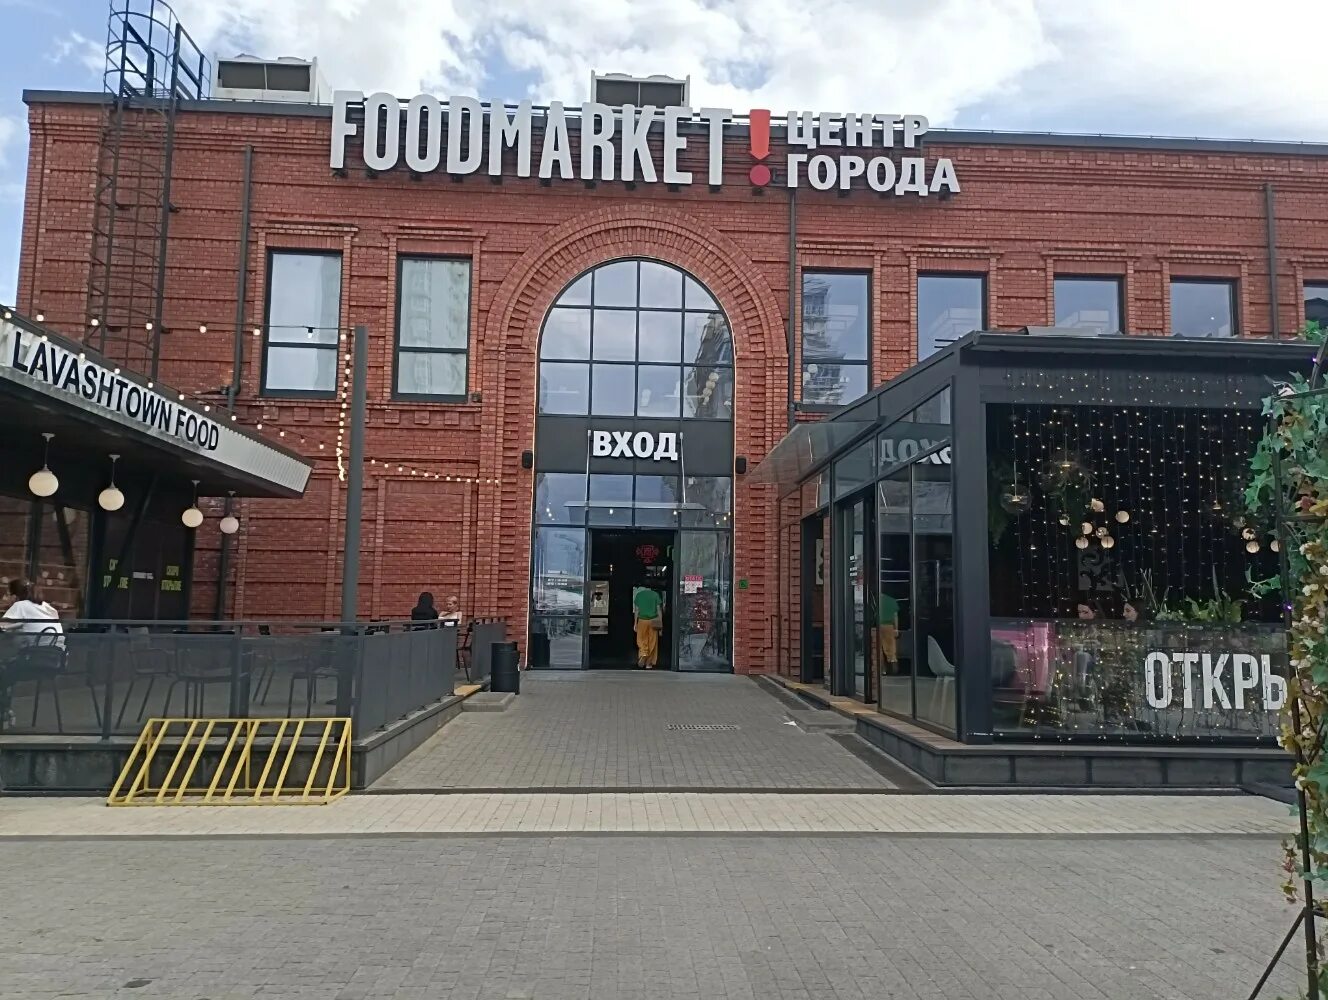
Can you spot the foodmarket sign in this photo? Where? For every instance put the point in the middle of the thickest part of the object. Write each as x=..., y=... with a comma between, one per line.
x=462, y=136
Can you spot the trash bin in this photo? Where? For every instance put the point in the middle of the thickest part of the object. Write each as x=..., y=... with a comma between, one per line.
x=503, y=675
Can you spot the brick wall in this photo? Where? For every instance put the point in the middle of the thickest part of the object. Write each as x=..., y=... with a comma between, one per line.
x=1024, y=215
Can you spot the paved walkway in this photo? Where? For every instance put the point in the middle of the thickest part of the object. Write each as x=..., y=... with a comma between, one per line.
x=630, y=730
x=641, y=918
x=666, y=813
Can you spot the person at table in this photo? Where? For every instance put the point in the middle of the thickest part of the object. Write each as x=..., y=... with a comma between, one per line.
x=452, y=611
x=29, y=617
x=424, y=610
x=646, y=622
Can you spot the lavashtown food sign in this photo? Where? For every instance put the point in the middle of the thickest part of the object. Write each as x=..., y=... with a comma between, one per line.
x=462, y=136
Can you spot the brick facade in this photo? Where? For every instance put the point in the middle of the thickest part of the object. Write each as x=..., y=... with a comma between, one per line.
x=1026, y=213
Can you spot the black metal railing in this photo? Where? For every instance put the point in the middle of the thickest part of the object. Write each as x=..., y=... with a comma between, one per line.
x=105, y=678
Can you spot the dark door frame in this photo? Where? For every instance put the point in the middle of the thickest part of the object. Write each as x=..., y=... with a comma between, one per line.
x=812, y=531
x=674, y=535
x=841, y=599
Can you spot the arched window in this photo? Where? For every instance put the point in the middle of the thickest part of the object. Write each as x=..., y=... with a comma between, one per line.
x=636, y=338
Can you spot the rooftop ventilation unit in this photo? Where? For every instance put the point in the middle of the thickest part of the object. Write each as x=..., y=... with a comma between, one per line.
x=617, y=89
x=287, y=80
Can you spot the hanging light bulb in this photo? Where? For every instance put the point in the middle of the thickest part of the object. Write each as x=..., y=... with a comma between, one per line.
x=1097, y=505
x=192, y=516
x=1275, y=545
x=1064, y=520
x=1081, y=542
x=1101, y=532
x=1015, y=499
x=1252, y=547
x=1108, y=542
x=230, y=524
x=111, y=499
x=43, y=482
x=1086, y=528
x=1247, y=534
x=1122, y=517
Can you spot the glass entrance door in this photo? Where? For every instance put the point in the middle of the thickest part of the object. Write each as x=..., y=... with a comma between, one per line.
x=855, y=640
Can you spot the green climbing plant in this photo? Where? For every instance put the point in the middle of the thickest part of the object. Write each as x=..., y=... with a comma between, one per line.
x=1290, y=468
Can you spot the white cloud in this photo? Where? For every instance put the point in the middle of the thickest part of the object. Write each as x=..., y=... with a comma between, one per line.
x=1212, y=67
x=86, y=52
x=13, y=143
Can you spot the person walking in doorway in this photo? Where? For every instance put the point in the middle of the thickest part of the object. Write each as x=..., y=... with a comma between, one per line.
x=646, y=620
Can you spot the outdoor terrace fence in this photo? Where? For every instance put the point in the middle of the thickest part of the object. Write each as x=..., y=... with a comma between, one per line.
x=106, y=678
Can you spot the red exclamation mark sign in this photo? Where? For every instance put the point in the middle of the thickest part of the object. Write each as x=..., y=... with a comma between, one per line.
x=759, y=131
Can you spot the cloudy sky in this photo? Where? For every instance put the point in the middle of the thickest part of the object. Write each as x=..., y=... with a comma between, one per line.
x=1224, y=68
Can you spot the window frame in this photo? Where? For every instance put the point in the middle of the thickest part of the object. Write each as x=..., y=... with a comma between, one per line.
x=334, y=347
x=1233, y=304
x=866, y=364
x=983, y=277
x=1305, y=286
x=397, y=349
x=636, y=365
x=1117, y=279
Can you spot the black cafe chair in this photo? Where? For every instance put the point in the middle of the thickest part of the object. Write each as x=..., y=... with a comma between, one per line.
x=41, y=659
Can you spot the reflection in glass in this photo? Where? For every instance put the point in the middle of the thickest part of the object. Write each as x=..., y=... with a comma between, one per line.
x=566, y=335
x=435, y=303
x=708, y=393
x=564, y=388
x=301, y=369
x=610, y=499
x=660, y=336
x=657, y=390
x=705, y=602
x=1203, y=308
x=656, y=502
x=854, y=580
x=1088, y=303
x=834, y=316
x=1316, y=304
x=697, y=297
x=615, y=284
x=661, y=286
x=894, y=608
x=558, y=562
x=855, y=470
x=560, y=497
x=304, y=298
x=706, y=339
x=556, y=643
x=427, y=373
x=933, y=590
x=614, y=335
x=827, y=383
x=949, y=306
x=613, y=390
x=577, y=293
x=707, y=501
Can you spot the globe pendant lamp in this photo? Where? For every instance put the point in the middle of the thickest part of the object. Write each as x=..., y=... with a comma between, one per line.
x=192, y=517
x=43, y=482
x=230, y=524
x=111, y=499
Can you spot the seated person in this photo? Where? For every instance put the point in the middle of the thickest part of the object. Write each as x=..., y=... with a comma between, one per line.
x=28, y=617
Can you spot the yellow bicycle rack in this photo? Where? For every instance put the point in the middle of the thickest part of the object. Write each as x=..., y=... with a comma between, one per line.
x=216, y=761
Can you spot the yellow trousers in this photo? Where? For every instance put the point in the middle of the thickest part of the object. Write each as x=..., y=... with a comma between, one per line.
x=647, y=642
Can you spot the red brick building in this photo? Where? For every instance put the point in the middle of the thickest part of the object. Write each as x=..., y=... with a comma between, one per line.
x=1220, y=238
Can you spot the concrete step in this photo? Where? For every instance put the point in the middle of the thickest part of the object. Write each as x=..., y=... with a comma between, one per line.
x=488, y=701
x=821, y=721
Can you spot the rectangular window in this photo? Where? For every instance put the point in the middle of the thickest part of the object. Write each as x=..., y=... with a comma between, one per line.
x=303, y=323
x=836, y=336
x=433, y=328
x=1316, y=303
x=1203, y=307
x=1088, y=303
x=949, y=306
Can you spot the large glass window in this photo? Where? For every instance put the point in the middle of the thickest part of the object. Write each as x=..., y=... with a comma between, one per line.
x=303, y=324
x=636, y=338
x=836, y=336
x=937, y=667
x=949, y=306
x=1089, y=303
x=1203, y=308
x=1316, y=303
x=433, y=327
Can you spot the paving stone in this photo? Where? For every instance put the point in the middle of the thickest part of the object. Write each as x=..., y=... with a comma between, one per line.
x=1180, y=917
x=611, y=729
